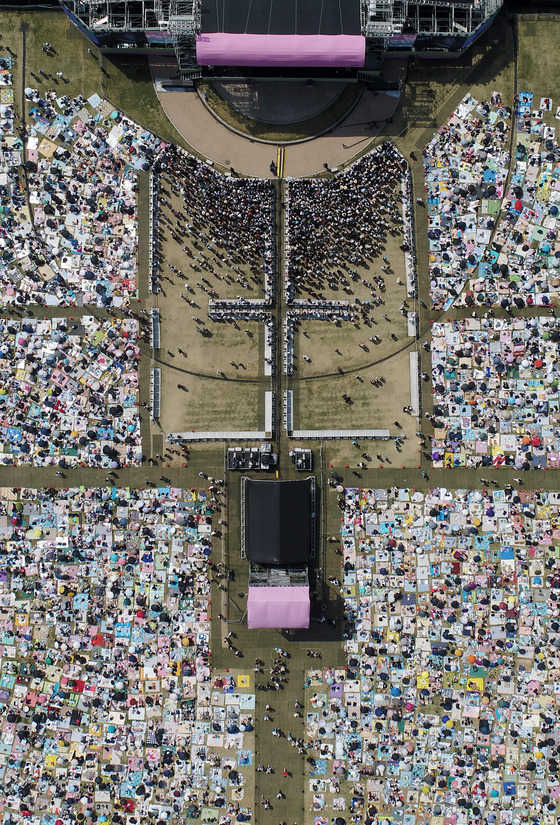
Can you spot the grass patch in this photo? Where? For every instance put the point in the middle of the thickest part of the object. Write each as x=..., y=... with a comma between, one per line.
x=209, y=402
x=279, y=131
x=318, y=403
x=69, y=56
x=209, y=405
x=126, y=81
x=128, y=84
x=537, y=63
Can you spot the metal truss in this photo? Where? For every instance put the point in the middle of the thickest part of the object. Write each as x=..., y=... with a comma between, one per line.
x=385, y=18
x=115, y=15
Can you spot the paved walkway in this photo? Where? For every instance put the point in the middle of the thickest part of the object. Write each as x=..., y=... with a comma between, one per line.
x=212, y=139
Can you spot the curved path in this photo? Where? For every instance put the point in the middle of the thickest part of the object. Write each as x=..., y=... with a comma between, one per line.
x=349, y=371
x=215, y=141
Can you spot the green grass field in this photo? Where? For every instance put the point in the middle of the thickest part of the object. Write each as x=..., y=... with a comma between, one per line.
x=126, y=81
x=128, y=84
x=537, y=67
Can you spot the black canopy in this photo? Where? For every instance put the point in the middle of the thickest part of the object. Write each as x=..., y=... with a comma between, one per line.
x=287, y=17
x=278, y=522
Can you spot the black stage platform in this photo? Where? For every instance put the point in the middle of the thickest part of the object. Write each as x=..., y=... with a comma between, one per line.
x=307, y=17
x=278, y=522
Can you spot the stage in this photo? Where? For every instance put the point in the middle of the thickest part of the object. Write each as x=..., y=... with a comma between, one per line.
x=317, y=33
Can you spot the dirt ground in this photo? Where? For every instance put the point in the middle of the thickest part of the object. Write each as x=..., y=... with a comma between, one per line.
x=372, y=407
x=328, y=356
x=212, y=372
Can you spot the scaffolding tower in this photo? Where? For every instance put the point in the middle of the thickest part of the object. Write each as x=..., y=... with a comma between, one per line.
x=184, y=25
x=111, y=23
x=105, y=16
x=105, y=19
x=383, y=19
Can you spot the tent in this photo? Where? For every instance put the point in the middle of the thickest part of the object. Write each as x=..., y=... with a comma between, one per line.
x=280, y=607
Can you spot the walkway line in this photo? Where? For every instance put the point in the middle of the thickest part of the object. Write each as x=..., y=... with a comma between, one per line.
x=263, y=380
x=388, y=357
x=280, y=161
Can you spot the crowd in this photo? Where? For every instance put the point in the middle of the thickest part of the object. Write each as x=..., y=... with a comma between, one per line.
x=446, y=710
x=155, y=239
x=6, y=73
x=466, y=168
x=495, y=392
x=335, y=226
x=321, y=310
x=222, y=750
x=288, y=344
x=68, y=229
x=68, y=393
x=493, y=241
x=223, y=223
x=242, y=308
x=522, y=266
x=110, y=712
x=6, y=101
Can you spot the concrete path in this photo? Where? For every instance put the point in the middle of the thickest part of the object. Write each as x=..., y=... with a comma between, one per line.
x=212, y=139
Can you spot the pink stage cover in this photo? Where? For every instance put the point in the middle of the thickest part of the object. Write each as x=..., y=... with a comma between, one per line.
x=278, y=607
x=291, y=50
